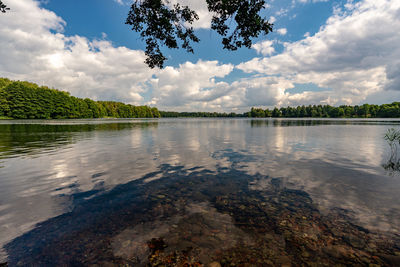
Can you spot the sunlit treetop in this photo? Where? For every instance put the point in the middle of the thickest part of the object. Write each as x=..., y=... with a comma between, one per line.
x=162, y=24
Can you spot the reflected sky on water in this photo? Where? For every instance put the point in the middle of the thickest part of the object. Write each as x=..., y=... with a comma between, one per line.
x=48, y=168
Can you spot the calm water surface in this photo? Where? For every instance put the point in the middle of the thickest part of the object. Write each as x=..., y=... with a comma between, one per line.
x=175, y=191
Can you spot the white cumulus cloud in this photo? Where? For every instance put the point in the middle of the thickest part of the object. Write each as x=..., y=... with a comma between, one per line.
x=265, y=48
x=38, y=51
x=356, y=54
x=282, y=31
x=190, y=85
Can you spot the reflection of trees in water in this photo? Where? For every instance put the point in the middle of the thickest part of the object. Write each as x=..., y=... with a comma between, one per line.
x=175, y=215
x=285, y=122
x=288, y=123
x=32, y=139
x=392, y=137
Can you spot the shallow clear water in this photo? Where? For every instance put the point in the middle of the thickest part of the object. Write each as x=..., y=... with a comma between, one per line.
x=66, y=185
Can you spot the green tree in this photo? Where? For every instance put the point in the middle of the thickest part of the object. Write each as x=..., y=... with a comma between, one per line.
x=315, y=113
x=24, y=100
x=366, y=110
x=276, y=112
x=303, y=111
x=155, y=112
x=257, y=113
x=4, y=106
x=4, y=82
x=348, y=111
x=161, y=24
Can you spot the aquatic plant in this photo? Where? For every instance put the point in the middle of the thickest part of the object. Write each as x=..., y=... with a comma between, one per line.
x=392, y=137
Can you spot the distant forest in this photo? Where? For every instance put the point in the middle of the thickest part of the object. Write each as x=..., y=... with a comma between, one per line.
x=326, y=111
x=25, y=100
x=173, y=114
x=311, y=111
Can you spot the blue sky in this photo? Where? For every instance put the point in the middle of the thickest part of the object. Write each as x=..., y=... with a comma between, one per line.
x=321, y=52
x=92, y=18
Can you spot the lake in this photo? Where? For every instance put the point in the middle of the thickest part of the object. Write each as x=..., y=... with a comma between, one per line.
x=198, y=191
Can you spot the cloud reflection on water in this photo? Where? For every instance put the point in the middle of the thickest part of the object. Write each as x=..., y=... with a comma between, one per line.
x=337, y=163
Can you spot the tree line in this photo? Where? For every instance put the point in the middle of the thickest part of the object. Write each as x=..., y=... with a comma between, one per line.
x=25, y=100
x=311, y=111
x=326, y=111
x=174, y=114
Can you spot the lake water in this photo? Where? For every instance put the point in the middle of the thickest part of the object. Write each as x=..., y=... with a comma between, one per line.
x=198, y=191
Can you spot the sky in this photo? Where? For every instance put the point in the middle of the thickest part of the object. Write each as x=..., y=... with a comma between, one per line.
x=321, y=52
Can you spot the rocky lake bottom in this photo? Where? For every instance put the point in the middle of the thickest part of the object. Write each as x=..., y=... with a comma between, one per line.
x=202, y=218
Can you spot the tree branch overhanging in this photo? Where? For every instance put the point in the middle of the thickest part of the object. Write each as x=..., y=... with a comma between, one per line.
x=161, y=24
x=3, y=7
